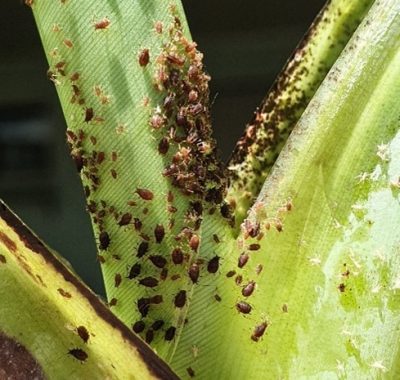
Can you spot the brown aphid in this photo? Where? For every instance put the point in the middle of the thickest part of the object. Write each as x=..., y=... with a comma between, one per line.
x=231, y=273
x=163, y=145
x=177, y=256
x=243, y=259
x=175, y=60
x=259, y=268
x=216, y=238
x=158, y=261
x=114, y=156
x=104, y=240
x=83, y=333
x=148, y=282
x=68, y=43
x=194, y=272
x=143, y=305
x=342, y=287
x=3, y=259
x=243, y=307
x=172, y=209
x=149, y=336
x=170, y=333
x=158, y=27
x=112, y=302
x=157, y=324
x=164, y=274
x=117, y=280
x=254, y=247
x=157, y=299
x=238, y=279
x=259, y=331
x=138, y=327
x=180, y=299
x=194, y=242
x=213, y=265
x=248, y=289
x=78, y=354
x=104, y=23
x=217, y=298
x=74, y=77
x=142, y=249
x=88, y=114
x=170, y=196
x=125, y=219
x=279, y=226
x=145, y=194
x=144, y=57
x=138, y=224
x=113, y=173
x=190, y=372
x=100, y=157
x=159, y=233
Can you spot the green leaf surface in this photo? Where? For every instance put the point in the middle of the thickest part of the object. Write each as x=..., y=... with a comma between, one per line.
x=329, y=239
x=52, y=326
x=266, y=134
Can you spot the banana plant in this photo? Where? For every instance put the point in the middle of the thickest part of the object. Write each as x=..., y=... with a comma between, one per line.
x=263, y=268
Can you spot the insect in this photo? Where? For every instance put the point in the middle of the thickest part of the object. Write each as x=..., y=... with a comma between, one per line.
x=143, y=305
x=170, y=333
x=102, y=24
x=149, y=336
x=83, y=333
x=243, y=307
x=248, y=289
x=134, y=271
x=149, y=282
x=117, y=280
x=180, y=299
x=78, y=354
x=243, y=259
x=144, y=57
x=177, y=256
x=159, y=233
x=125, y=219
x=157, y=324
x=145, y=194
x=158, y=261
x=213, y=265
x=138, y=327
x=104, y=239
x=142, y=249
x=259, y=331
x=194, y=272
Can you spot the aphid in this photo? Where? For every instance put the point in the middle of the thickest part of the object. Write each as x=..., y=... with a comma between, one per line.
x=194, y=272
x=149, y=282
x=248, y=289
x=175, y=277
x=238, y=279
x=137, y=223
x=194, y=242
x=163, y=145
x=134, y=271
x=93, y=140
x=252, y=229
x=243, y=259
x=170, y=333
x=259, y=331
x=285, y=308
x=231, y=273
x=259, y=268
x=143, y=305
x=83, y=333
x=113, y=173
x=158, y=27
x=218, y=298
x=117, y=280
x=213, y=265
x=175, y=60
x=104, y=239
x=149, y=336
x=100, y=157
x=3, y=259
x=144, y=57
x=112, y=302
x=193, y=96
x=243, y=307
x=170, y=196
x=125, y=219
x=78, y=160
x=68, y=43
x=74, y=77
x=138, y=327
x=342, y=287
x=142, y=249
x=190, y=371
x=164, y=274
x=78, y=354
x=180, y=299
x=157, y=324
x=157, y=299
x=254, y=247
x=158, y=261
x=114, y=156
x=145, y=194
x=279, y=226
x=172, y=209
x=169, y=101
x=102, y=24
x=177, y=256
x=88, y=114
x=159, y=233
x=216, y=238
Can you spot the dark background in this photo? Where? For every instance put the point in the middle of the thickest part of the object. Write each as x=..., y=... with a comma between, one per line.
x=245, y=42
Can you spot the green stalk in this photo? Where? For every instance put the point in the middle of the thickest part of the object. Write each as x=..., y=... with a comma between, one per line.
x=52, y=326
x=265, y=135
x=328, y=291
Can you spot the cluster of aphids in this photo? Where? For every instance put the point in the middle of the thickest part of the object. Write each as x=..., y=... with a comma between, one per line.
x=182, y=121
